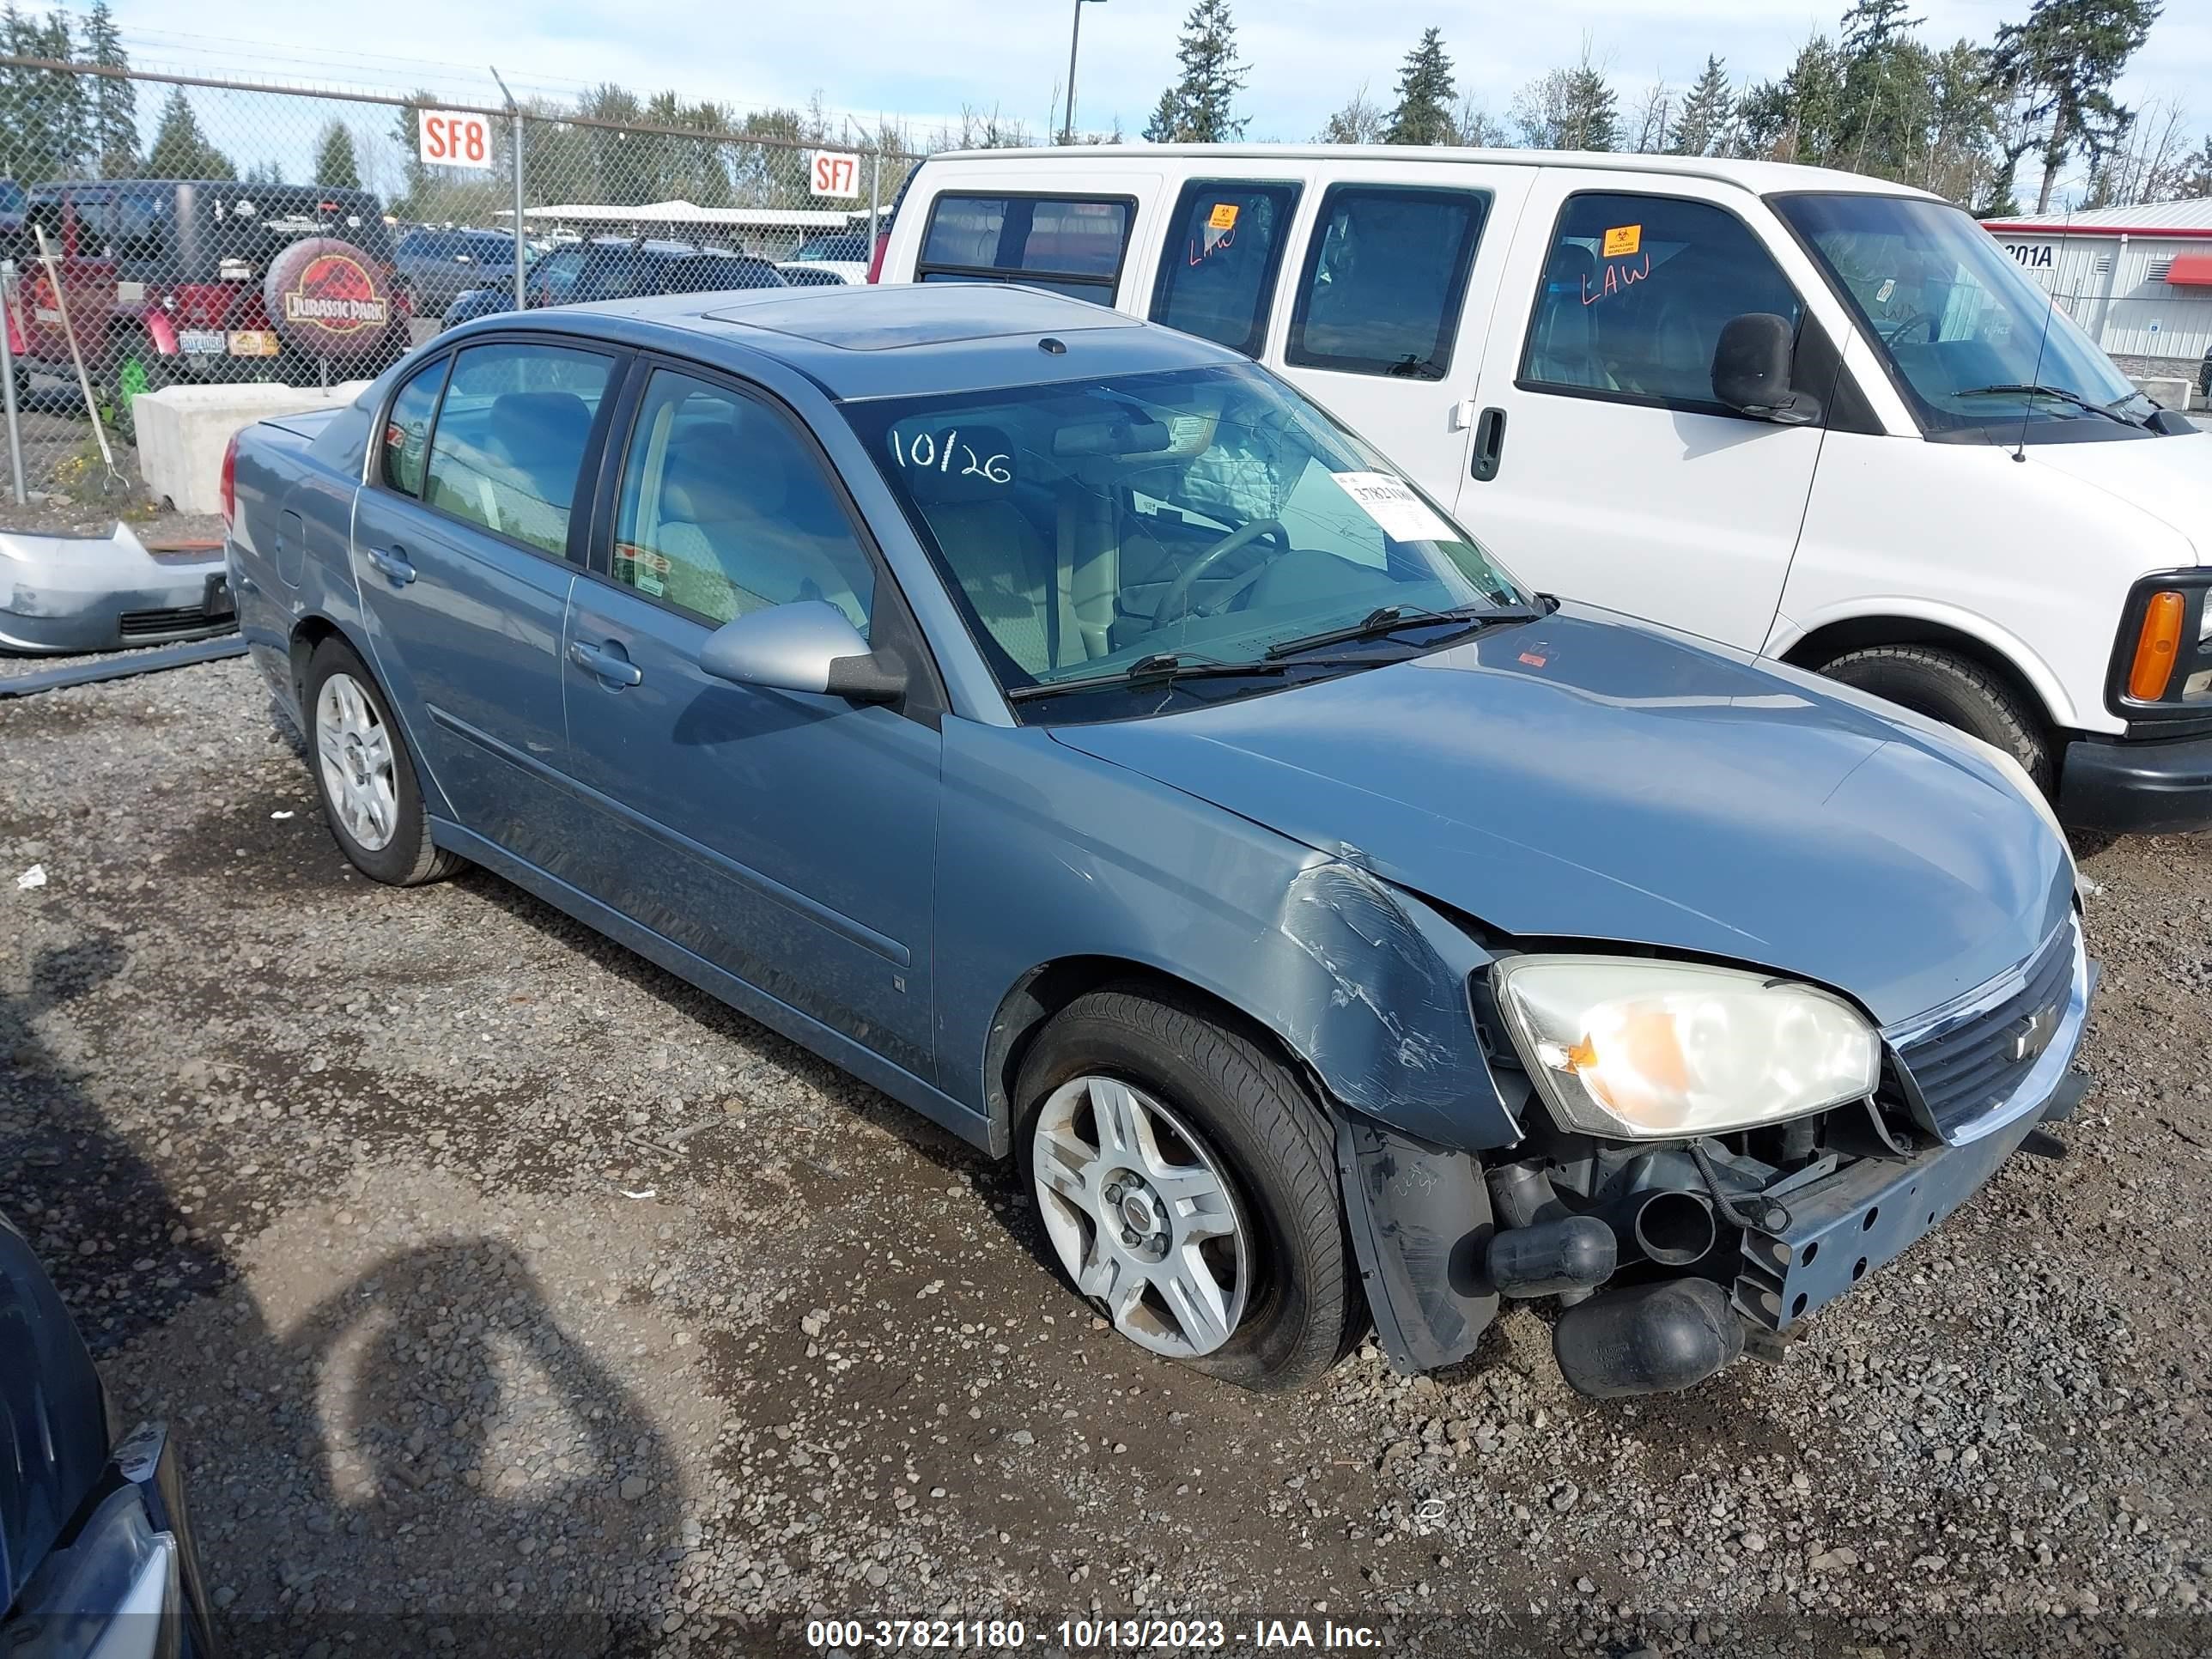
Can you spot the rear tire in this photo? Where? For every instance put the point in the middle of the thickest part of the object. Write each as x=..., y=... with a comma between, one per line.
x=1224, y=1106
x=1956, y=691
x=365, y=774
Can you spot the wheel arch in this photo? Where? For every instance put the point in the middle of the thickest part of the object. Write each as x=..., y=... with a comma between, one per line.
x=1041, y=993
x=1972, y=637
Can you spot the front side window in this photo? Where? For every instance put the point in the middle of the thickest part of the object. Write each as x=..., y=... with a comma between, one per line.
x=1385, y=278
x=511, y=437
x=1973, y=344
x=1224, y=247
x=1069, y=246
x=726, y=511
x=1213, y=515
x=1635, y=292
x=406, y=441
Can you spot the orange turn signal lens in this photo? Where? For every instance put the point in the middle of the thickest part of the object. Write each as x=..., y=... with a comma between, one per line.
x=2156, y=647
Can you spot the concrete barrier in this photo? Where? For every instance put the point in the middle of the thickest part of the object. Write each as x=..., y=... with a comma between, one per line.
x=183, y=429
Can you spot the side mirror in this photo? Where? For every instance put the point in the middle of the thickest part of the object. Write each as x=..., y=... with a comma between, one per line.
x=1752, y=366
x=805, y=645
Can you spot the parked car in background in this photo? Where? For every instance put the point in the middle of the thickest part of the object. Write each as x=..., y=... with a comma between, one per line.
x=96, y=1551
x=12, y=201
x=619, y=268
x=800, y=274
x=845, y=252
x=440, y=266
x=1064, y=726
x=170, y=280
x=1777, y=406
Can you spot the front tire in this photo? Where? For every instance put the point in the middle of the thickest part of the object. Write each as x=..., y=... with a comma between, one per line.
x=365, y=774
x=1956, y=691
x=1186, y=1183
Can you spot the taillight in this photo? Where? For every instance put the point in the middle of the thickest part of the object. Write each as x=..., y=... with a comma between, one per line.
x=876, y=259
x=2156, y=647
x=230, y=484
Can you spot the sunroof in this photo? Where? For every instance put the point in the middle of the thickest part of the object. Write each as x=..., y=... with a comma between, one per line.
x=876, y=319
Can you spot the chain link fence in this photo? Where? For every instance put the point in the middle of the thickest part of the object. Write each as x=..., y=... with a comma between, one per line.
x=167, y=229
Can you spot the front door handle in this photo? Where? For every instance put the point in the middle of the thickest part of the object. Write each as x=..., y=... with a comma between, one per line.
x=1489, y=445
x=607, y=661
x=391, y=566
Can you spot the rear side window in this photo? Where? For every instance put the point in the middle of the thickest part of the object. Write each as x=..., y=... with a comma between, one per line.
x=1637, y=289
x=1070, y=245
x=511, y=438
x=1224, y=247
x=1385, y=276
x=406, y=441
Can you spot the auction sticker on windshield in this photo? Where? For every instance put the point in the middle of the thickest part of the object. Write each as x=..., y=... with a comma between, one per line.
x=1402, y=515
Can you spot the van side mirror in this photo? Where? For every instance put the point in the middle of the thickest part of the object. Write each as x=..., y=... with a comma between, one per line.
x=808, y=645
x=1752, y=369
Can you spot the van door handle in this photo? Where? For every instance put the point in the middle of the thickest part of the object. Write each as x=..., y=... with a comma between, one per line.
x=1489, y=445
x=391, y=566
x=609, y=662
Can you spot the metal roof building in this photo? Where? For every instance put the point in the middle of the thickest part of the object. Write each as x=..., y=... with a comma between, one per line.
x=2138, y=278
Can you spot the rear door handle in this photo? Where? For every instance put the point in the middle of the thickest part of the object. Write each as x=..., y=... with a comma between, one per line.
x=391, y=566
x=609, y=662
x=1489, y=445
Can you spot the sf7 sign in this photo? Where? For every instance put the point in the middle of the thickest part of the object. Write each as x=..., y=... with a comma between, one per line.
x=453, y=138
x=836, y=174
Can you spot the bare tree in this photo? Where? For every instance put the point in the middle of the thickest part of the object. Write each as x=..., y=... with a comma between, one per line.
x=1651, y=119
x=1361, y=121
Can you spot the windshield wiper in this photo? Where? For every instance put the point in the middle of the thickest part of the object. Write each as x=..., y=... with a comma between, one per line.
x=1161, y=668
x=1392, y=619
x=2060, y=392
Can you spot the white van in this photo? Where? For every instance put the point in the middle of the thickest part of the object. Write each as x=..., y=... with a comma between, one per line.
x=1814, y=416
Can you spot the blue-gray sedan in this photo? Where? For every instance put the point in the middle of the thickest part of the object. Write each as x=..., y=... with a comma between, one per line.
x=1068, y=728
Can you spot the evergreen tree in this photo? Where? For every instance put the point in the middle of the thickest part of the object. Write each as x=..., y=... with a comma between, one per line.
x=1200, y=107
x=414, y=176
x=1885, y=88
x=1799, y=117
x=1425, y=96
x=46, y=117
x=335, y=167
x=114, y=100
x=2064, y=61
x=180, y=149
x=1569, y=109
x=1705, y=124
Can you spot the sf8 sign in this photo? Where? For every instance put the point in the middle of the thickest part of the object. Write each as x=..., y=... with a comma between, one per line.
x=453, y=138
x=836, y=174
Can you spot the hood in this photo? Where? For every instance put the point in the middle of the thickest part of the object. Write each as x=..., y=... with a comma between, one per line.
x=1587, y=778
x=2169, y=478
x=53, y=1418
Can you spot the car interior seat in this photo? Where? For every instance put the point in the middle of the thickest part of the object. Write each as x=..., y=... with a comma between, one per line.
x=1564, y=351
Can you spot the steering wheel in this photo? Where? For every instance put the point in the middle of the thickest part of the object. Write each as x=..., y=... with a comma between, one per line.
x=1175, y=604
x=1895, y=334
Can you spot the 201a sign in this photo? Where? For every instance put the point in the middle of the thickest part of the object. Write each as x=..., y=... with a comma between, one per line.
x=836, y=174
x=453, y=138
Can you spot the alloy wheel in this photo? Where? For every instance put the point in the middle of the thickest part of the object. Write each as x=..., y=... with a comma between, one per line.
x=1141, y=1216
x=355, y=749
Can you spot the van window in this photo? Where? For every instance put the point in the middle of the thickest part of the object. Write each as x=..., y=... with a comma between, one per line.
x=1636, y=291
x=1070, y=245
x=1385, y=276
x=1217, y=272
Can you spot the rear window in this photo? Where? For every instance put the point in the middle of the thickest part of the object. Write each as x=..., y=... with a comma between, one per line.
x=1071, y=245
x=710, y=273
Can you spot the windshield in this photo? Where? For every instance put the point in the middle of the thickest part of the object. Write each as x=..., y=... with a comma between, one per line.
x=1968, y=337
x=1204, y=515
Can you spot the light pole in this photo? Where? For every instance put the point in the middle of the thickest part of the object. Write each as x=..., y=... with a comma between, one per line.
x=1074, y=40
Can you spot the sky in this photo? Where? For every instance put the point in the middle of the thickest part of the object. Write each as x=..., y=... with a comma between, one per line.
x=926, y=59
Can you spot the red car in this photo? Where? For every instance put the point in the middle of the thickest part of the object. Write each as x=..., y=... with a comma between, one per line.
x=167, y=280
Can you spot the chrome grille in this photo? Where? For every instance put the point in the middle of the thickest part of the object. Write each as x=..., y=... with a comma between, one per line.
x=1958, y=1067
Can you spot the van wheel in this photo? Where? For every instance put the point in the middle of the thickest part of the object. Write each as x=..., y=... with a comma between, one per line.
x=363, y=771
x=1186, y=1181
x=1956, y=691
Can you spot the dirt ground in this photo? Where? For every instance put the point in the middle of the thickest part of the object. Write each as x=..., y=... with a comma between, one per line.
x=511, y=1296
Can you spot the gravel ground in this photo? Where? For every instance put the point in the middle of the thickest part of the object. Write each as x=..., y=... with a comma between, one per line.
x=511, y=1297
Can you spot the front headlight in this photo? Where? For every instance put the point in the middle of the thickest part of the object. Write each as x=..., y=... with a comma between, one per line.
x=1631, y=1048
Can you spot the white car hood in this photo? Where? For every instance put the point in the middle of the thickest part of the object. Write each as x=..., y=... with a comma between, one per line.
x=2169, y=478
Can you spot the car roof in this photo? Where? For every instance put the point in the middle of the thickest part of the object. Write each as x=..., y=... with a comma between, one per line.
x=900, y=340
x=1762, y=178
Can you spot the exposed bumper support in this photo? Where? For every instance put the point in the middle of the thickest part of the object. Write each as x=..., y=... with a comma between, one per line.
x=2137, y=786
x=61, y=594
